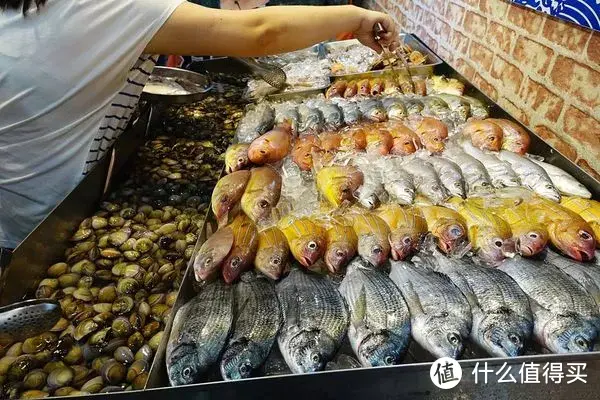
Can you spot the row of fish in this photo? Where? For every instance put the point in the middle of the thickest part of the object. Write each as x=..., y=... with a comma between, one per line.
x=440, y=302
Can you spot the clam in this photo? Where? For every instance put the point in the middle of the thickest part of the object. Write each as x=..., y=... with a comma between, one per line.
x=94, y=385
x=85, y=312
x=110, y=253
x=52, y=365
x=42, y=357
x=94, y=253
x=137, y=321
x=143, y=245
x=127, y=213
x=145, y=308
x=44, y=292
x=60, y=377
x=136, y=341
x=100, y=338
x=103, y=241
x=82, y=234
x=122, y=305
x=33, y=345
x=83, y=294
x=140, y=381
x=171, y=298
x=104, y=263
x=65, y=391
x=138, y=367
x=124, y=355
x=150, y=329
x=68, y=280
x=191, y=238
x=121, y=327
x=112, y=389
x=34, y=394
x=151, y=279
x=154, y=341
x=119, y=237
x=107, y=294
x=50, y=282
x=99, y=222
x=102, y=307
x=105, y=317
x=165, y=268
x=146, y=261
x=35, y=379
x=99, y=362
x=5, y=363
x=110, y=207
x=156, y=298
x=114, y=344
x=145, y=353
x=63, y=346
x=80, y=375
x=15, y=350
x=103, y=275
x=74, y=356
x=131, y=255
x=113, y=372
x=166, y=229
x=85, y=328
x=116, y=221
x=127, y=286
x=86, y=282
x=84, y=267
x=129, y=244
x=159, y=310
x=90, y=352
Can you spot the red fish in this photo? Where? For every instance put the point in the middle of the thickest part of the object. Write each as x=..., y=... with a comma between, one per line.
x=271, y=147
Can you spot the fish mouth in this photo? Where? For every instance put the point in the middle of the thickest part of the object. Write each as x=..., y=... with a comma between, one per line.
x=583, y=256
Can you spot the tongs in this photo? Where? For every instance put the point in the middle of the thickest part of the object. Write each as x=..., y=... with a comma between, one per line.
x=389, y=56
x=269, y=73
x=29, y=318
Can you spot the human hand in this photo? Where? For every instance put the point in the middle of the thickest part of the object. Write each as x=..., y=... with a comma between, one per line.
x=367, y=28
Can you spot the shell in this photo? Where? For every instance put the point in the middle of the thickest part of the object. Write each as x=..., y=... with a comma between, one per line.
x=127, y=286
x=145, y=353
x=111, y=389
x=151, y=329
x=131, y=270
x=20, y=367
x=124, y=355
x=33, y=345
x=65, y=391
x=80, y=374
x=59, y=377
x=140, y=381
x=100, y=338
x=135, y=341
x=99, y=222
x=85, y=267
x=154, y=341
x=157, y=298
x=113, y=372
x=121, y=327
x=122, y=305
x=83, y=294
x=85, y=328
x=94, y=385
x=116, y=221
x=102, y=307
x=131, y=255
x=50, y=282
x=119, y=237
x=82, y=234
x=36, y=379
x=104, y=317
x=107, y=294
x=86, y=282
x=68, y=280
x=74, y=356
x=110, y=253
x=138, y=367
x=114, y=344
x=99, y=362
x=143, y=245
x=52, y=365
x=34, y=394
x=171, y=298
x=15, y=350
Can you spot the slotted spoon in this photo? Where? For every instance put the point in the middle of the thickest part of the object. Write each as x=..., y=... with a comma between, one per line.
x=27, y=318
x=269, y=73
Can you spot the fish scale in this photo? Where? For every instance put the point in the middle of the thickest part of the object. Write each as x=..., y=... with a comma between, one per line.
x=586, y=274
x=450, y=175
x=426, y=180
x=474, y=172
x=501, y=174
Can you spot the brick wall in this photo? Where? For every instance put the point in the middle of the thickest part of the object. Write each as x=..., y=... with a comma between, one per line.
x=544, y=72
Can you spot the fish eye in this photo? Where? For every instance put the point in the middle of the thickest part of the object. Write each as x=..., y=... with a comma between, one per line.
x=491, y=139
x=407, y=190
x=245, y=368
x=263, y=204
x=263, y=152
x=548, y=186
x=453, y=338
x=581, y=342
x=241, y=160
x=514, y=338
x=407, y=240
x=498, y=243
x=312, y=245
x=533, y=235
x=187, y=371
x=276, y=261
x=316, y=358
x=389, y=360
x=235, y=262
x=444, y=314
x=208, y=261
x=377, y=250
x=456, y=231
x=585, y=235
x=340, y=253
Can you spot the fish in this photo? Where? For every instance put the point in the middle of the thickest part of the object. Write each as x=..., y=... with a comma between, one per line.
x=257, y=318
x=258, y=120
x=305, y=238
x=450, y=175
x=372, y=110
x=407, y=227
x=405, y=84
x=379, y=330
x=413, y=106
x=436, y=107
x=262, y=193
x=442, y=84
x=588, y=209
x=350, y=110
x=432, y=133
x=566, y=318
x=460, y=109
x=379, y=141
x=371, y=193
x=377, y=86
x=395, y=108
x=304, y=148
x=502, y=317
x=500, y=172
x=338, y=183
x=287, y=113
x=531, y=175
x=563, y=181
x=199, y=334
x=315, y=321
x=426, y=180
x=364, y=87
x=271, y=147
x=585, y=274
x=236, y=157
x=514, y=137
x=473, y=171
x=447, y=226
x=245, y=243
x=396, y=181
x=311, y=120
x=373, y=236
x=484, y=134
x=272, y=253
x=227, y=193
x=212, y=253
x=341, y=362
x=489, y=234
x=330, y=141
x=342, y=243
x=336, y=89
x=441, y=317
x=391, y=87
x=405, y=140
x=333, y=116
x=353, y=138
x=351, y=89
x=478, y=109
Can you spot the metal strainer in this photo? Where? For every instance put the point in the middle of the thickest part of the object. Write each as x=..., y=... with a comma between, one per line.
x=27, y=318
x=269, y=73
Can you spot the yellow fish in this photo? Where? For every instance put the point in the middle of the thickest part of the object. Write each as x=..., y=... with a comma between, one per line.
x=342, y=243
x=407, y=226
x=447, y=226
x=272, y=253
x=373, y=236
x=588, y=209
x=262, y=193
x=242, y=254
x=338, y=183
x=307, y=240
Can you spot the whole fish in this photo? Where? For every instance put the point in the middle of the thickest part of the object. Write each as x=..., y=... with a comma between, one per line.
x=531, y=175
x=405, y=140
x=588, y=209
x=395, y=108
x=330, y=141
x=413, y=106
x=514, y=137
x=447, y=226
x=500, y=172
x=478, y=109
x=315, y=321
x=473, y=171
x=200, y=330
x=257, y=318
x=379, y=330
x=377, y=86
x=287, y=113
x=245, y=243
x=502, y=318
x=227, y=193
x=450, y=175
x=339, y=183
x=432, y=133
x=351, y=89
x=271, y=147
x=311, y=120
x=303, y=150
x=336, y=89
x=371, y=193
x=272, y=253
x=306, y=239
x=364, y=87
x=372, y=110
x=342, y=243
x=484, y=134
x=373, y=236
x=442, y=84
x=257, y=121
x=436, y=107
x=460, y=109
x=236, y=157
x=379, y=141
x=262, y=193
x=391, y=87
x=396, y=181
x=350, y=110
x=426, y=180
x=566, y=318
x=440, y=314
x=563, y=181
x=586, y=274
x=333, y=116
x=212, y=254
x=407, y=227
x=354, y=138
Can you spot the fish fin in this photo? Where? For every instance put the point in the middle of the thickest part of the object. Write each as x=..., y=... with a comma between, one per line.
x=412, y=298
x=360, y=309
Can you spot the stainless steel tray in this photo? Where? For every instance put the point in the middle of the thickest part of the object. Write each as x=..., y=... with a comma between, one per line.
x=196, y=84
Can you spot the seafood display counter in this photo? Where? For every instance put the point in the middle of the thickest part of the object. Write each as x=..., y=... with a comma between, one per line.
x=123, y=262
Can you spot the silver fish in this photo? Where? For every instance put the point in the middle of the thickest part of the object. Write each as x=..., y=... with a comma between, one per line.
x=563, y=181
x=379, y=331
x=413, y=106
x=257, y=121
x=426, y=180
x=343, y=361
x=350, y=109
x=395, y=108
x=311, y=120
x=436, y=107
x=199, y=333
x=257, y=321
x=478, y=109
x=500, y=172
x=440, y=313
x=315, y=321
x=372, y=110
x=566, y=318
x=450, y=175
x=474, y=172
x=502, y=318
x=372, y=193
x=287, y=112
x=531, y=175
x=460, y=109
x=333, y=116
x=396, y=181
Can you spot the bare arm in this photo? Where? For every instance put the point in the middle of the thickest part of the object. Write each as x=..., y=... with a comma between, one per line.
x=194, y=29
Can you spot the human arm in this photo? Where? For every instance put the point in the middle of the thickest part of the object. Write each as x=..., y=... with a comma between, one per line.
x=193, y=29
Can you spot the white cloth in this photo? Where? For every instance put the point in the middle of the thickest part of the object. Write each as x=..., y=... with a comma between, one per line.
x=70, y=77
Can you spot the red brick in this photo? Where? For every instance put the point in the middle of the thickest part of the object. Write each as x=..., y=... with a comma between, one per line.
x=472, y=3
x=495, y=8
x=532, y=55
x=569, y=36
x=510, y=75
x=429, y=20
x=444, y=31
x=464, y=68
x=542, y=100
x=514, y=110
x=475, y=24
x=584, y=128
x=454, y=14
x=481, y=55
x=499, y=36
x=445, y=54
x=577, y=79
x=593, y=49
x=594, y=173
x=555, y=141
x=459, y=42
x=483, y=85
x=525, y=18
